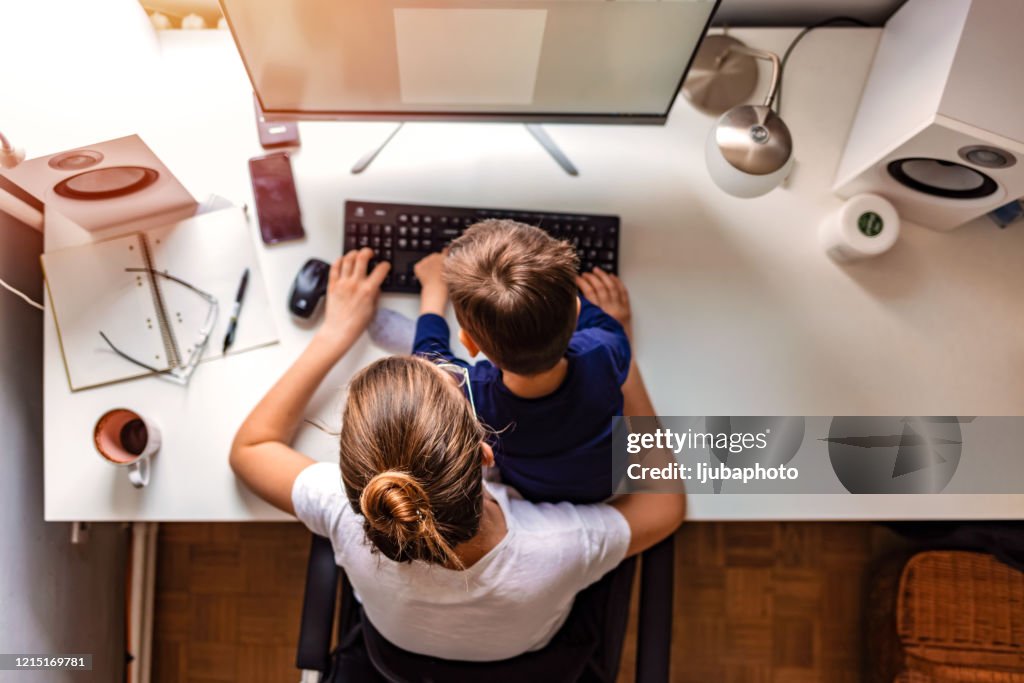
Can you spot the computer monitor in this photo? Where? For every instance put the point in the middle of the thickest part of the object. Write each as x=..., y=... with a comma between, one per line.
x=590, y=61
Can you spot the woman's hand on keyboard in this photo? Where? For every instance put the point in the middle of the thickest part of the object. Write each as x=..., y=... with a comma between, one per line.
x=352, y=294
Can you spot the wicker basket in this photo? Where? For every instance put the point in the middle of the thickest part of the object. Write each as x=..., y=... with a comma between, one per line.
x=959, y=618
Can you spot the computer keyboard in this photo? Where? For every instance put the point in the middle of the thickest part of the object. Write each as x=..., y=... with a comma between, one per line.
x=404, y=233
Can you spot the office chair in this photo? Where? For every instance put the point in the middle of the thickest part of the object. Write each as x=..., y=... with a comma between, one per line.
x=587, y=649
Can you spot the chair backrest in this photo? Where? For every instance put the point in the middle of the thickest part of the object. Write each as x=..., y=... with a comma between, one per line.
x=587, y=648
x=589, y=642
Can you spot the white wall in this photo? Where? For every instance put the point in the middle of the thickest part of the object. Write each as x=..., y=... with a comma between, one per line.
x=54, y=597
x=802, y=12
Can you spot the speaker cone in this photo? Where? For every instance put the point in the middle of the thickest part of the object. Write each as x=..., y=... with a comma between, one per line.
x=941, y=178
x=987, y=157
x=106, y=183
x=77, y=160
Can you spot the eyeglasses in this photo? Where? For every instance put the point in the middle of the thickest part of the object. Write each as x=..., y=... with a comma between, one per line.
x=461, y=376
x=179, y=372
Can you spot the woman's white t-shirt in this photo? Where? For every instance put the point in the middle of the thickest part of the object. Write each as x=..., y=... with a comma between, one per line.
x=511, y=601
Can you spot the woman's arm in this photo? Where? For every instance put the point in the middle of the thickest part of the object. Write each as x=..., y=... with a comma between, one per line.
x=651, y=516
x=260, y=454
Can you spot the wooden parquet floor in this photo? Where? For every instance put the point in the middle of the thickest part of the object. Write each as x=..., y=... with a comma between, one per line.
x=754, y=602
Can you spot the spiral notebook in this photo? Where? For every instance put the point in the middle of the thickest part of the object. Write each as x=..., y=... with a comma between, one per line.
x=155, y=320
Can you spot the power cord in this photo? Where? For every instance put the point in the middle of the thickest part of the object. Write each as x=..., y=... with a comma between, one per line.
x=21, y=295
x=831, y=21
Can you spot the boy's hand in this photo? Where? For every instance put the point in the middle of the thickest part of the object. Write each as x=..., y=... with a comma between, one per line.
x=430, y=272
x=608, y=293
x=352, y=295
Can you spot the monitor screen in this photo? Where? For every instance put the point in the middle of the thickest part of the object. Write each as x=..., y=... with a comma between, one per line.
x=515, y=60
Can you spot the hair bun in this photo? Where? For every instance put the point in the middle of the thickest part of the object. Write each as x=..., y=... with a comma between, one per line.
x=393, y=502
x=400, y=522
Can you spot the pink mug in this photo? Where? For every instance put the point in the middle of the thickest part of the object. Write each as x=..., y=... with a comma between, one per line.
x=126, y=439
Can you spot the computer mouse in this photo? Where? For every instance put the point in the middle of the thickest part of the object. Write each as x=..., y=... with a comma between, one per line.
x=309, y=287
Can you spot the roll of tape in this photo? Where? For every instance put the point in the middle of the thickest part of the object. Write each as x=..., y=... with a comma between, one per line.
x=865, y=226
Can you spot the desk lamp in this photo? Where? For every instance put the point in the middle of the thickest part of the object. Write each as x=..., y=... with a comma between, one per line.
x=749, y=151
x=10, y=203
x=9, y=156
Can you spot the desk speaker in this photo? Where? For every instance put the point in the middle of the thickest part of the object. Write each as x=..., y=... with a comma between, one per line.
x=939, y=131
x=117, y=183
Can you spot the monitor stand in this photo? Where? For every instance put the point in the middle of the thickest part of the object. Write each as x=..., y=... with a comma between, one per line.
x=535, y=129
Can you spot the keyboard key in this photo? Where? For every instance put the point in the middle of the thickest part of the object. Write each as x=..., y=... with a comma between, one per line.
x=375, y=242
x=375, y=229
x=414, y=231
x=427, y=232
x=402, y=231
x=362, y=229
x=414, y=243
x=403, y=243
x=403, y=218
x=364, y=241
x=388, y=229
x=427, y=220
x=415, y=218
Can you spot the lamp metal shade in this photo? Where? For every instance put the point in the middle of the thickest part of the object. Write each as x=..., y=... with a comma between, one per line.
x=749, y=151
x=718, y=79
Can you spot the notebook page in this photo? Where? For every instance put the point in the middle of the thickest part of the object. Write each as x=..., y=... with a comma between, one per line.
x=90, y=292
x=211, y=251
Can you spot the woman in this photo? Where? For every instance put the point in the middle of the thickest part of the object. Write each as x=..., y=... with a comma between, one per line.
x=443, y=563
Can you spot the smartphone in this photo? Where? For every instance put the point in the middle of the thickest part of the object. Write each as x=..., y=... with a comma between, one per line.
x=277, y=204
x=274, y=133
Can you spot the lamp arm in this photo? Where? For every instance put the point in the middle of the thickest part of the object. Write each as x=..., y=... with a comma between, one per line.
x=773, y=86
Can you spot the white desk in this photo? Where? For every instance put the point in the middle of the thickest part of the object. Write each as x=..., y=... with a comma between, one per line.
x=737, y=310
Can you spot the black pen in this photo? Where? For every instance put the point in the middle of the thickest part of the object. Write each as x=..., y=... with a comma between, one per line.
x=229, y=338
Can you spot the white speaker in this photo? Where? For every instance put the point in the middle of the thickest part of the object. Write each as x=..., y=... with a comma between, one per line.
x=117, y=183
x=940, y=127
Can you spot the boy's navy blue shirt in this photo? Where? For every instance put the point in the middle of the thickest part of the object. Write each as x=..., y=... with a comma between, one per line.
x=557, y=447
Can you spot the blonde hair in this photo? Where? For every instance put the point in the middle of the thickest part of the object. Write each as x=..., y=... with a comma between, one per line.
x=411, y=460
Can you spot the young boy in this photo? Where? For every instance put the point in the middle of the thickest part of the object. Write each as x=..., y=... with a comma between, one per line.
x=556, y=361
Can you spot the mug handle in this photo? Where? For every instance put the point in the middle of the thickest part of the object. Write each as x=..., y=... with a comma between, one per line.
x=138, y=473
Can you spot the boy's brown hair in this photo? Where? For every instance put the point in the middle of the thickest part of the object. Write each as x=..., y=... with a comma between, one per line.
x=513, y=288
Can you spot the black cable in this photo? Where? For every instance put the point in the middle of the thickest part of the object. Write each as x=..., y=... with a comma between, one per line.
x=831, y=21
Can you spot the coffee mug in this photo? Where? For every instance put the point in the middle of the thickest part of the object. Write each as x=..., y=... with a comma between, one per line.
x=126, y=439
